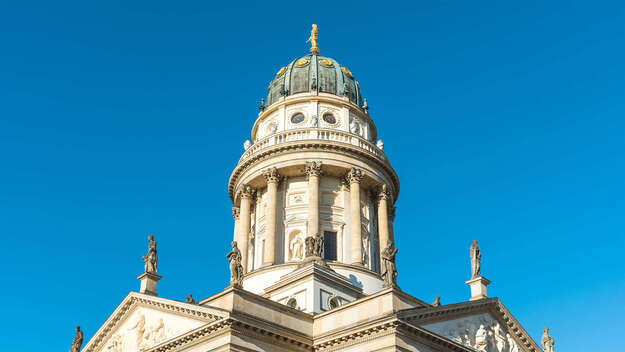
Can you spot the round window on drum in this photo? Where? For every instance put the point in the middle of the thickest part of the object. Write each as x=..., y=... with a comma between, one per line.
x=329, y=118
x=297, y=118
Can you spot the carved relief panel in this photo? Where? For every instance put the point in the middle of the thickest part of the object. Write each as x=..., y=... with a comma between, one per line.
x=481, y=332
x=146, y=328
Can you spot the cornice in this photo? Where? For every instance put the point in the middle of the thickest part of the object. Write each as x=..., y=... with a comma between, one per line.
x=383, y=327
x=493, y=305
x=314, y=146
x=135, y=299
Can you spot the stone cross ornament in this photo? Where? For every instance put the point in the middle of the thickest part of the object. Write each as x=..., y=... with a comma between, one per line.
x=77, y=342
x=476, y=258
x=151, y=260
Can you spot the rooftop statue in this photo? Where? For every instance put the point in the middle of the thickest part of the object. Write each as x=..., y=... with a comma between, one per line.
x=236, y=269
x=151, y=258
x=389, y=272
x=313, y=40
x=547, y=341
x=476, y=258
x=77, y=342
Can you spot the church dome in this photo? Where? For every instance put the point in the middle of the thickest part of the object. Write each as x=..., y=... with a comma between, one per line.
x=314, y=73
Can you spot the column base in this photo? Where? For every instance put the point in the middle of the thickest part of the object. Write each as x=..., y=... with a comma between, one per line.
x=148, y=283
x=478, y=287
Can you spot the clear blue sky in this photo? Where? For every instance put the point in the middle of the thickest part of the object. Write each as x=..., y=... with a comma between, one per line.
x=505, y=123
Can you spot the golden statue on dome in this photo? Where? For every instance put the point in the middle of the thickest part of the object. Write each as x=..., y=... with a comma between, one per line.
x=313, y=40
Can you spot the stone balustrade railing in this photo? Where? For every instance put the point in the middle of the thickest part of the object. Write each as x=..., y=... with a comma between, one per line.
x=305, y=134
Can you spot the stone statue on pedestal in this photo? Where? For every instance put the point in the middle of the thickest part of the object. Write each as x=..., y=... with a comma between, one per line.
x=190, y=299
x=236, y=269
x=476, y=258
x=77, y=342
x=389, y=272
x=151, y=259
x=437, y=301
x=547, y=341
x=314, y=245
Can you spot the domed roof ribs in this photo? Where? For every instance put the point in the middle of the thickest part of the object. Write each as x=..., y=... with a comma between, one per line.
x=287, y=78
x=340, y=86
x=314, y=81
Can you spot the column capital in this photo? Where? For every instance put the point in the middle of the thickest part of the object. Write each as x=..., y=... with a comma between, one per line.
x=383, y=193
x=247, y=192
x=313, y=168
x=236, y=211
x=354, y=175
x=272, y=175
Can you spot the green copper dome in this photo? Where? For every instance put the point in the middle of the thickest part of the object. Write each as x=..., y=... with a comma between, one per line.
x=314, y=73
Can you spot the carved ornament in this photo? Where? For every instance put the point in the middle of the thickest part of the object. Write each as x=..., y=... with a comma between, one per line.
x=272, y=175
x=354, y=175
x=313, y=168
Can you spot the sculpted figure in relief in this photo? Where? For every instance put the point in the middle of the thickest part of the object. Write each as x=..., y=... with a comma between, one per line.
x=273, y=127
x=314, y=121
x=77, y=342
x=476, y=258
x=500, y=340
x=389, y=272
x=150, y=260
x=481, y=337
x=236, y=269
x=296, y=248
x=354, y=126
x=513, y=347
x=365, y=248
x=547, y=341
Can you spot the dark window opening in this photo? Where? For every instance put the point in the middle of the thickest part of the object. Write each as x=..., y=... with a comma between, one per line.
x=329, y=245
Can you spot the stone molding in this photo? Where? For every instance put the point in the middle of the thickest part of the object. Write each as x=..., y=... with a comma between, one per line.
x=313, y=168
x=138, y=299
x=314, y=146
x=272, y=175
x=491, y=305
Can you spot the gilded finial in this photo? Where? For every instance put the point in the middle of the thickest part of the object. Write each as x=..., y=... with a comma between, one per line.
x=313, y=40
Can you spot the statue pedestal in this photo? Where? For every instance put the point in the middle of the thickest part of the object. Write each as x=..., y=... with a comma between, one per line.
x=148, y=283
x=478, y=287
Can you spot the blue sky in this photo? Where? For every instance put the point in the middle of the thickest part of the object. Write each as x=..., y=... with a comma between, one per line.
x=505, y=123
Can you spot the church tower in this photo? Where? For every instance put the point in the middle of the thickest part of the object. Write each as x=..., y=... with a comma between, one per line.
x=313, y=170
x=313, y=258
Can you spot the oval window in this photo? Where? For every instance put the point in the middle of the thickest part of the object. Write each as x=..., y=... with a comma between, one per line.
x=329, y=118
x=297, y=118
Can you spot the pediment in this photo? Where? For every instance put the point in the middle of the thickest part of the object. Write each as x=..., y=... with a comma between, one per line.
x=142, y=321
x=485, y=325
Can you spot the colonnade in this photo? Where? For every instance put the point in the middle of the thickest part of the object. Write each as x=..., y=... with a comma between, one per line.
x=242, y=214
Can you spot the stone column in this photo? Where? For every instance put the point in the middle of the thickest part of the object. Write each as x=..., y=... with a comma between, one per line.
x=383, y=224
x=313, y=171
x=247, y=194
x=354, y=176
x=235, y=216
x=269, y=251
x=391, y=227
